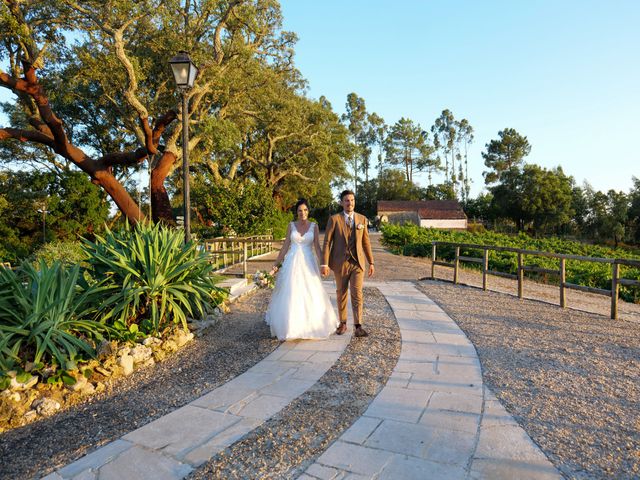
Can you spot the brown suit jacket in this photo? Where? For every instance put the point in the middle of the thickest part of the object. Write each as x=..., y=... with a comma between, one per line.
x=336, y=237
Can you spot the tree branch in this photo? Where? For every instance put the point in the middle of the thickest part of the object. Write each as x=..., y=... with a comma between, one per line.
x=26, y=136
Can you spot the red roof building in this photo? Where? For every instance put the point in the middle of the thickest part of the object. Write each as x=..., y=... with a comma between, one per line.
x=428, y=213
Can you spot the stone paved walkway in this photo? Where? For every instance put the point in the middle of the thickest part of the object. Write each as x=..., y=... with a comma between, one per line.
x=433, y=419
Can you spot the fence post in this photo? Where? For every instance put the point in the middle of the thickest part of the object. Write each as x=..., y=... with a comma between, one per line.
x=614, y=290
x=485, y=267
x=563, y=298
x=433, y=259
x=520, y=276
x=456, y=263
x=244, y=259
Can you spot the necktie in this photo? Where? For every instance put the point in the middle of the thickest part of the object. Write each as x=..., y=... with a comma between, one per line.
x=350, y=221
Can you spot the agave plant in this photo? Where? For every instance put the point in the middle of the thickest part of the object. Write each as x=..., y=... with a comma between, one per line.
x=45, y=315
x=153, y=278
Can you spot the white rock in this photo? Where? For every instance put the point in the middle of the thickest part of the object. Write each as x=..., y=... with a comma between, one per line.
x=182, y=338
x=124, y=351
x=103, y=371
x=141, y=354
x=30, y=415
x=151, y=341
x=126, y=362
x=19, y=386
x=46, y=406
x=10, y=395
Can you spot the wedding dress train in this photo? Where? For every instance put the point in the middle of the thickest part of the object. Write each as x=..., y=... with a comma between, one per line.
x=300, y=307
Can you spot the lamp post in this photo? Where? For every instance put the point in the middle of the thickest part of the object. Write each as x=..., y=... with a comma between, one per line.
x=184, y=73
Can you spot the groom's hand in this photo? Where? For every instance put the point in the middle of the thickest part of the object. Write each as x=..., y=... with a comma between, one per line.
x=372, y=270
x=324, y=270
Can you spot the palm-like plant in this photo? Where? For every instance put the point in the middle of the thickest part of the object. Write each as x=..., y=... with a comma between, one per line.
x=153, y=278
x=45, y=315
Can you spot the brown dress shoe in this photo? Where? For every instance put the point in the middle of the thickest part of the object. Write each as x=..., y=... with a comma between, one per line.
x=360, y=332
x=342, y=328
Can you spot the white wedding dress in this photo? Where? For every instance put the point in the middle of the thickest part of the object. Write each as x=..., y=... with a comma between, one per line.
x=300, y=306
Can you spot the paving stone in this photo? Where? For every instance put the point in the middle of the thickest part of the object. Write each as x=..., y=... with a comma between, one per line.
x=355, y=458
x=444, y=385
x=86, y=475
x=452, y=338
x=235, y=432
x=53, y=476
x=408, y=324
x=417, y=336
x=324, y=357
x=448, y=420
x=332, y=344
x=509, y=442
x=262, y=407
x=322, y=472
x=277, y=367
x=502, y=469
x=311, y=370
x=495, y=415
x=405, y=366
x=95, y=459
x=361, y=430
x=399, y=404
x=255, y=381
x=455, y=402
x=182, y=430
x=141, y=464
x=297, y=355
x=410, y=468
x=224, y=396
x=399, y=379
x=415, y=352
x=400, y=437
x=304, y=476
x=288, y=387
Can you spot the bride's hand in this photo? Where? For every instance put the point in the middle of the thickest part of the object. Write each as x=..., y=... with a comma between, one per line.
x=273, y=271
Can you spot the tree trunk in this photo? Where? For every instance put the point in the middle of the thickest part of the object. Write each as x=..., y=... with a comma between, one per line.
x=160, y=205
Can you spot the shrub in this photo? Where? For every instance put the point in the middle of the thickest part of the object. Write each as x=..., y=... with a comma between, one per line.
x=152, y=278
x=45, y=316
x=64, y=251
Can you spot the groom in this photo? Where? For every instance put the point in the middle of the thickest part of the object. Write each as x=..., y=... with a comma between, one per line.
x=346, y=245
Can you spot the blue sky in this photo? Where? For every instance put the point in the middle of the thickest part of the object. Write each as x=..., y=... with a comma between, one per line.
x=564, y=73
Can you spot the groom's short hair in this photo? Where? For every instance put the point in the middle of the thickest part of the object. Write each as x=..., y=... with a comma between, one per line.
x=345, y=193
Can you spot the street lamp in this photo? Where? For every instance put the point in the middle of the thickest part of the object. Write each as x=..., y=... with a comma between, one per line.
x=184, y=73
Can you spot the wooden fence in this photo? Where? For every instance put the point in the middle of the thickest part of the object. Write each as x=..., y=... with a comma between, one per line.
x=225, y=252
x=615, y=263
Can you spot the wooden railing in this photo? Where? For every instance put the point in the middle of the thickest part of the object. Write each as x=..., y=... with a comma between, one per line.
x=227, y=252
x=615, y=263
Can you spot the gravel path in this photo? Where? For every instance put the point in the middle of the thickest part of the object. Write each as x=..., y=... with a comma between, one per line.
x=238, y=342
x=571, y=379
x=286, y=444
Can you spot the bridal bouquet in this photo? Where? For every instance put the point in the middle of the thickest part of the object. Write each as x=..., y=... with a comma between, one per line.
x=263, y=279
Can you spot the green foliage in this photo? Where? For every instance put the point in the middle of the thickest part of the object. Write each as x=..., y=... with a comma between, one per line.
x=407, y=146
x=46, y=206
x=410, y=239
x=45, y=315
x=152, y=279
x=535, y=197
x=245, y=208
x=504, y=154
x=68, y=252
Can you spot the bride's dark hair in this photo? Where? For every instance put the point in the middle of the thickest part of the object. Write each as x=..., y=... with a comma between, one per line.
x=302, y=201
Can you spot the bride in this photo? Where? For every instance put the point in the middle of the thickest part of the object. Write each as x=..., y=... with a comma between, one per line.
x=300, y=307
